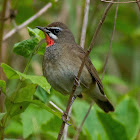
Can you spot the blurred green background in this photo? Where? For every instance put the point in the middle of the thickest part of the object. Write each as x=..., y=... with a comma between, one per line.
x=121, y=81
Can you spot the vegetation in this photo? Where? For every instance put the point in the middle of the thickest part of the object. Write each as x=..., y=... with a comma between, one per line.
x=28, y=113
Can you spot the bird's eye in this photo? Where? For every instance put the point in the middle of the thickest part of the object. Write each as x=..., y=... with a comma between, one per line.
x=56, y=31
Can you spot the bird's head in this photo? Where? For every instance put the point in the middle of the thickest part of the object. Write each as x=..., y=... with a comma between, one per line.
x=57, y=32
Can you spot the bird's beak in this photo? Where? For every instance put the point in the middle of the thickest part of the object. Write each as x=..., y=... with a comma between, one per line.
x=43, y=29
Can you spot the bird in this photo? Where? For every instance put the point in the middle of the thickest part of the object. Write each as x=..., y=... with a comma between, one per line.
x=61, y=62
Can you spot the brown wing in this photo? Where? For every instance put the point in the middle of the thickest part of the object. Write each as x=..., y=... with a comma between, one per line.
x=91, y=69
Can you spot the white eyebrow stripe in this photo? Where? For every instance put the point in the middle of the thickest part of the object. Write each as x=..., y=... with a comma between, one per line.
x=53, y=36
x=55, y=28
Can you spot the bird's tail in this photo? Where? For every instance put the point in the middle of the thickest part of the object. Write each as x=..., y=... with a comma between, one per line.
x=100, y=99
x=104, y=105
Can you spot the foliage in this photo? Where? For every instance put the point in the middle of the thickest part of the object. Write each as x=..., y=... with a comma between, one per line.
x=29, y=115
x=3, y=86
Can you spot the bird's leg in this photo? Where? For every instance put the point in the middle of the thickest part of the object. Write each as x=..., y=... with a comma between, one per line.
x=65, y=116
x=73, y=99
x=77, y=81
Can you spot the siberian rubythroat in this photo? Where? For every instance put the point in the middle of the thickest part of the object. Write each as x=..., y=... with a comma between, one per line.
x=61, y=63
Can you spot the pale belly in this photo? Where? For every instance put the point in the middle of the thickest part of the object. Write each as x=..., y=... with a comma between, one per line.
x=61, y=77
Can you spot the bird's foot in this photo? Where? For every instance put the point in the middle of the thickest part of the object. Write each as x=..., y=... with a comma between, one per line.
x=65, y=118
x=77, y=81
x=73, y=99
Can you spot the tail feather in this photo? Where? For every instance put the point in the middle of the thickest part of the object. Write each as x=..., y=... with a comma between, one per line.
x=105, y=105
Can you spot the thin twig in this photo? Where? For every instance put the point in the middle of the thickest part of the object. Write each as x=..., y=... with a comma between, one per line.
x=106, y=61
x=85, y=21
x=38, y=14
x=55, y=106
x=14, y=24
x=138, y=3
x=110, y=46
x=80, y=128
x=120, y=2
x=81, y=68
x=66, y=126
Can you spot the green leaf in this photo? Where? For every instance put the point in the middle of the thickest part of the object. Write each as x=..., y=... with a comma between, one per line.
x=53, y=125
x=39, y=80
x=13, y=74
x=15, y=108
x=41, y=94
x=33, y=118
x=32, y=33
x=114, y=129
x=36, y=33
x=43, y=106
x=25, y=94
x=19, y=107
x=3, y=86
x=41, y=49
x=19, y=101
x=14, y=128
x=112, y=126
x=128, y=113
x=25, y=47
x=10, y=73
x=92, y=126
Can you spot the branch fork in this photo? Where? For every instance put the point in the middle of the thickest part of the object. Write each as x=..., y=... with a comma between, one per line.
x=65, y=118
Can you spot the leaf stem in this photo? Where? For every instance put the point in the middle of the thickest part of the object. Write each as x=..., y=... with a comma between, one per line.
x=28, y=63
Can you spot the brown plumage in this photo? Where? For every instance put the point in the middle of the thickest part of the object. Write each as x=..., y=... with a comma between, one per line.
x=61, y=63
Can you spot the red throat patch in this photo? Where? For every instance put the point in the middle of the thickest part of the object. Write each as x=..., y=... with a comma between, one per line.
x=49, y=41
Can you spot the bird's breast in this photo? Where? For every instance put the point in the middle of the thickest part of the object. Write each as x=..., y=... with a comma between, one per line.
x=61, y=68
x=61, y=76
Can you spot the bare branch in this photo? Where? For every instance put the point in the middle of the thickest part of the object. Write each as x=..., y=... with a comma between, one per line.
x=120, y=2
x=106, y=61
x=81, y=67
x=66, y=126
x=14, y=23
x=55, y=106
x=110, y=46
x=85, y=20
x=38, y=14
x=138, y=3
